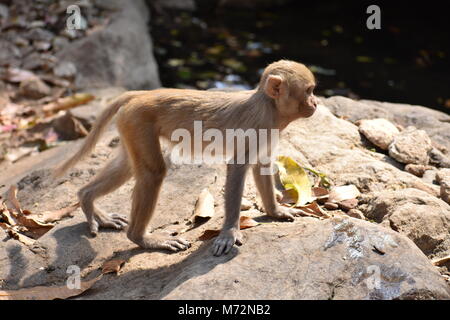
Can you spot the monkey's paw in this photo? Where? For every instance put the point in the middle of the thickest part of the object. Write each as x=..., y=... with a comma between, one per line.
x=283, y=213
x=225, y=241
x=113, y=220
x=169, y=243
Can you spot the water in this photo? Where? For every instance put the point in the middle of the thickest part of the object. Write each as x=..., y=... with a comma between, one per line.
x=407, y=61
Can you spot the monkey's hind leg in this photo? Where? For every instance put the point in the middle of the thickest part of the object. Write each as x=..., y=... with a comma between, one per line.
x=149, y=170
x=116, y=173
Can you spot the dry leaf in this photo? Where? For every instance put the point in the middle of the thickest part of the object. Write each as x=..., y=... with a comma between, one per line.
x=112, y=266
x=7, y=217
x=68, y=102
x=52, y=216
x=341, y=193
x=47, y=293
x=315, y=209
x=204, y=208
x=18, y=236
x=293, y=176
x=12, y=197
x=244, y=223
x=247, y=222
x=288, y=196
x=320, y=193
x=440, y=261
x=246, y=204
x=34, y=228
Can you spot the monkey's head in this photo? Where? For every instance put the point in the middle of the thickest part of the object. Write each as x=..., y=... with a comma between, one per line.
x=290, y=84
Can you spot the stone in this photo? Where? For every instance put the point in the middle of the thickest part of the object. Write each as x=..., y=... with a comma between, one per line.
x=411, y=146
x=246, y=204
x=380, y=132
x=417, y=169
x=331, y=206
x=423, y=218
x=443, y=178
x=435, y=123
x=34, y=88
x=348, y=204
x=355, y=213
x=438, y=159
x=119, y=55
x=65, y=70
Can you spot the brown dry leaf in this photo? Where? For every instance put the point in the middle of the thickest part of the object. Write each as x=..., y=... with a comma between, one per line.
x=203, y=211
x=320, y=193
x=112, y=266
x=68, y=102
x=47, y=293
x=247, y=222
x=52, y=216
x=244, y=223
x=338, y=194
x=13, y=233
x=12, y=197
x=315, y=209
x=204, y=208
x=440, y=261
x=34, y=227
x=6, y=216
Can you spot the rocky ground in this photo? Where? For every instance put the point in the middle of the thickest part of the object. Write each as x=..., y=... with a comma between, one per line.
x=396, y=155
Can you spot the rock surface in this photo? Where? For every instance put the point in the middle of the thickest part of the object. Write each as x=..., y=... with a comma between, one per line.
x=119, y=54
x=380, y=132
x=411, y=146
x=423, y=218
x=309, y=258
x=435, y=123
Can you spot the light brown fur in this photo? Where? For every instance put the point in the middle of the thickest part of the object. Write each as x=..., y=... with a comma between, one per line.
x=283, y=95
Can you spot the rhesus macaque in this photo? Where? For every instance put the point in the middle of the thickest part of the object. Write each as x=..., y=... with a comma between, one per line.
x=284, y=93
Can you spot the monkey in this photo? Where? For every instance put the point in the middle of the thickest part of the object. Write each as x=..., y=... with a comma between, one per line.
x=284, y=93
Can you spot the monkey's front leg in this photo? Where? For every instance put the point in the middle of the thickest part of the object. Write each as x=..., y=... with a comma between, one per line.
x=234, y=187
x=264, y=184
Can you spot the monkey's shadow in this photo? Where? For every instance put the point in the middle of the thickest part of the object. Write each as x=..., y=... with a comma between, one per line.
x=158, y=282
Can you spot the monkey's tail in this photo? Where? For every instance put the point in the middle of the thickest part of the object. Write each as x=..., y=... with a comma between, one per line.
x=97, y=129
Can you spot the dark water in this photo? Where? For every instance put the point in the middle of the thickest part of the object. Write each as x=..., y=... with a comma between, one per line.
x=407, y=61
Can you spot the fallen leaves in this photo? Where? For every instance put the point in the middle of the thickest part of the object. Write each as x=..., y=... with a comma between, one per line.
x=47, y=293
x=113, y=266
x=68, y=102
x=299, y=193
x=55, y=215
x=294, y=177
x=342, y=193
x=204, y=208
x=244, y=223
x=440, y=261
x=24, y=226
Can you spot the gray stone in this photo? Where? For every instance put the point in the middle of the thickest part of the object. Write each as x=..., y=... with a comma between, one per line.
x=380, y=132
x=422, y=218
x=411, y=146
x=117, y=55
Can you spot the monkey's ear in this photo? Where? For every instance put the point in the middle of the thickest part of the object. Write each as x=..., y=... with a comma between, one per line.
x=273, y=86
